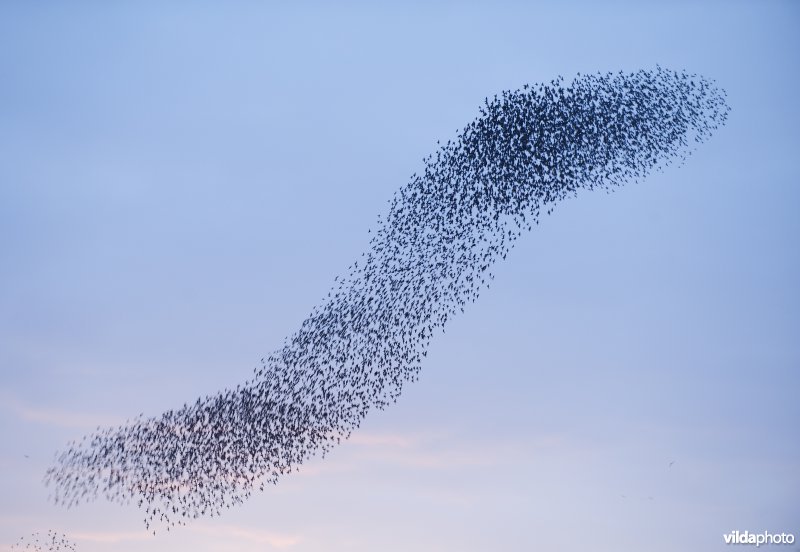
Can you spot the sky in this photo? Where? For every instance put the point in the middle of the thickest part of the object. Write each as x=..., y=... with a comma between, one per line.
x=181, y=182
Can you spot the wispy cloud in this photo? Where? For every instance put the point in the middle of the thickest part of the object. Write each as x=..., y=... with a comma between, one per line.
x=254, y=536
x=428, y=451
x=424, y=451
x=110, y=536
x=55, y=416
x=383, y=440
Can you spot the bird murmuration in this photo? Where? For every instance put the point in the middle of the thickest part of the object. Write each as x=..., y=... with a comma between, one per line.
x=430, y=256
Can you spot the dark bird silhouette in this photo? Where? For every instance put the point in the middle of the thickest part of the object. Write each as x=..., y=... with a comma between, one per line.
x=429, y=257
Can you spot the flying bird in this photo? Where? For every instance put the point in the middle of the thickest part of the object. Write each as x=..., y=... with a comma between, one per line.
x=430, y=256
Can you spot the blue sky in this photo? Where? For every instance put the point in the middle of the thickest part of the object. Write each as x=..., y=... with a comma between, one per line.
x=180, y=184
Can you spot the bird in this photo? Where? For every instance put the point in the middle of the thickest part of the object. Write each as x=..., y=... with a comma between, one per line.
x=430, y=255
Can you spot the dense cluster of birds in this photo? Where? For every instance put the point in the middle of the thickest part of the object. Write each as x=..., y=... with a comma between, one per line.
x=41, y=542
x=429, y=257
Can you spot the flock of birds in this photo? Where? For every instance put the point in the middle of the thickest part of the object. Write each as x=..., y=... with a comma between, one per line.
x=429, y=257
x=39, y=542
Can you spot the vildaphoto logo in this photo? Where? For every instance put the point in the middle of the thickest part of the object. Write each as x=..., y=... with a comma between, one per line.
x=746, y=537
